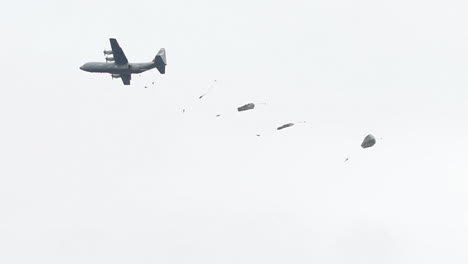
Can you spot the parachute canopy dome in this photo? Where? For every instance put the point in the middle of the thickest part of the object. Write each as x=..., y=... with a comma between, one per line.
x=368, y=141
x=246, y=107
x=285, y=126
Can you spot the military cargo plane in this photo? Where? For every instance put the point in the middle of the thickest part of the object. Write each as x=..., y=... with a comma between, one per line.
x=119, y=67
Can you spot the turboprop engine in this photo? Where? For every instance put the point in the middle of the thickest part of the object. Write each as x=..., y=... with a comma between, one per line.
x=116, y=76
x=107, y=52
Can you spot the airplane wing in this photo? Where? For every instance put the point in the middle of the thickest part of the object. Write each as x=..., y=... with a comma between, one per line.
x=119, y=55
x=126, y=78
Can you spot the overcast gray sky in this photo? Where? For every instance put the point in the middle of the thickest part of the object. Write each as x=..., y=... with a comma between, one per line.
x=96, y=172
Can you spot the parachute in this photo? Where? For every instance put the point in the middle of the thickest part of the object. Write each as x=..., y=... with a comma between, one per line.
x=368, y=141
x=246, y=107
x=285, y=126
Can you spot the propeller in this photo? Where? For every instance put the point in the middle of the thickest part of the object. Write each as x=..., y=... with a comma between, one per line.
x=107, y=52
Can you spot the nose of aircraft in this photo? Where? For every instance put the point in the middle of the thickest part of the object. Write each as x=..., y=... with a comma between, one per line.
x=85, y=67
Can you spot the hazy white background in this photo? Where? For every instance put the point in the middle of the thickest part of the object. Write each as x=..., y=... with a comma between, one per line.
x=96, y=172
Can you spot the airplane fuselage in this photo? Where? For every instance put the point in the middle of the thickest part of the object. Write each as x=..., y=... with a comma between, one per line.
x=113, y=68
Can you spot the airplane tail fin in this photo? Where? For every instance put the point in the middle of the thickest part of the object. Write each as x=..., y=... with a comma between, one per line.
x=160, y=61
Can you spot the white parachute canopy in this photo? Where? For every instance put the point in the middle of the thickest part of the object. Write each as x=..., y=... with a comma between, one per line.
x=368, y=141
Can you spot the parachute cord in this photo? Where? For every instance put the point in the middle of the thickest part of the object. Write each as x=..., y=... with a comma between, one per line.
x=209, y=89
x=191, y=104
